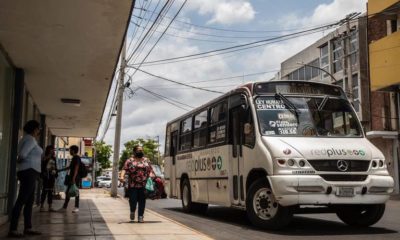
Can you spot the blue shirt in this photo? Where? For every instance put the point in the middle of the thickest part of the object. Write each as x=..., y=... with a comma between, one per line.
x=29, y=154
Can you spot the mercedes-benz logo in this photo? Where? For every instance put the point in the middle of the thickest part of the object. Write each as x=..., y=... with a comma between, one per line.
x=342, y=165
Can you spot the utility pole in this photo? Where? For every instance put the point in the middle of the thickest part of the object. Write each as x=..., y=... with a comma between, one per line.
x=117, y=139
x=347, y=59
x=158, y=150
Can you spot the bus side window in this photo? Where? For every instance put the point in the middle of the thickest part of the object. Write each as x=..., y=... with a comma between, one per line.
x=248, y=131
x=217, y=127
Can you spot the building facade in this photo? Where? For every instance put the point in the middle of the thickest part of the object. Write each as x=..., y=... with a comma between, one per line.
x=384, y=70
x=50, y=55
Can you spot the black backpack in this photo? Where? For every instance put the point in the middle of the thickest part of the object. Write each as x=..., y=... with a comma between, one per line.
x=82, y=171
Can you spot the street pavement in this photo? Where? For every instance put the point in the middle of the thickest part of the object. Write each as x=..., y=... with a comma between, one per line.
x=103, y=217
x=226, y=223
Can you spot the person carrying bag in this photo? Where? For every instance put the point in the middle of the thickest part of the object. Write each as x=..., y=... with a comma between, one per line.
x=72, y=179
x=136, y=174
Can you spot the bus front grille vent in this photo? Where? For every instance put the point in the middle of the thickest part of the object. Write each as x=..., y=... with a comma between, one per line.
x=325, y=165
x=342, y=177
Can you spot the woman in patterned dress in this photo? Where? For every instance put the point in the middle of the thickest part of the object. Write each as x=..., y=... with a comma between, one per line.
x=135, y=173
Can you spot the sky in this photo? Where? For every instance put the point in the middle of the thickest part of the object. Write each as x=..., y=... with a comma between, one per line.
x=205, y=25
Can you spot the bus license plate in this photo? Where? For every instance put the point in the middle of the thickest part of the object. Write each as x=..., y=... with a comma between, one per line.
x=345, y=192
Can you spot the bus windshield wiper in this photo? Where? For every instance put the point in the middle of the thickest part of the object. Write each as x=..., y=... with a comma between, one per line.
x=322, y=105
x=291, y=107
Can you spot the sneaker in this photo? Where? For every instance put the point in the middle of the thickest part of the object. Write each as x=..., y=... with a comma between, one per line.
x=41, y=209
x=51, y=209
x=31, y=232
x=62, y=210
x=132, y=216
x=141, y=219
x=76, y=210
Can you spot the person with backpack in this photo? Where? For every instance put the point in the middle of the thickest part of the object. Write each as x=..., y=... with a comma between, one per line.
x=74, y=176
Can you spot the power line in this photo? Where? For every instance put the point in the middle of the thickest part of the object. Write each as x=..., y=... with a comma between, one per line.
x=159, y=38
x=153, y=31
x=230, y=30
x=242, y=46
x=151, y=27
x=174, y=81
x=159, y=95
x=163, y=98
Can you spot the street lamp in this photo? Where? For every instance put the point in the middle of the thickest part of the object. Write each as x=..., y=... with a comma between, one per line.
x=311, y=66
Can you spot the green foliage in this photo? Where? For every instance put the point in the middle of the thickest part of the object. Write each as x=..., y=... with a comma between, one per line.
x=103, y=154
x=150, y=149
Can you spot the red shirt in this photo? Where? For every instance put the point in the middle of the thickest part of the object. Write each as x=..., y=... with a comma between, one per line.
x=137, y=172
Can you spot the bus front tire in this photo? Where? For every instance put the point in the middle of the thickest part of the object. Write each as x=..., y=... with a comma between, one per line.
x=361, y=215
x=262, y=209
x=187, y=204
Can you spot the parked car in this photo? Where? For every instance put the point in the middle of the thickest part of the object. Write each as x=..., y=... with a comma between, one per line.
x=98, y=179
x=106, y=182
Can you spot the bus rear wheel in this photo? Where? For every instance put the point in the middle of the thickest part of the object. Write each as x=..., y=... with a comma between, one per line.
x=263, y=210
x=361, y=215
x=187, y=204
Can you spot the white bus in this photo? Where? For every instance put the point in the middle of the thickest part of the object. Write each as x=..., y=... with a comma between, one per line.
x=274, y=149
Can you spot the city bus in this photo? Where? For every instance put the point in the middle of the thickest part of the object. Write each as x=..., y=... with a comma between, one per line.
x=275, y=149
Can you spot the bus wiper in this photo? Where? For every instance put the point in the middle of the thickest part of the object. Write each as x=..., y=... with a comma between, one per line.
x=291, y=107
x=322, y=105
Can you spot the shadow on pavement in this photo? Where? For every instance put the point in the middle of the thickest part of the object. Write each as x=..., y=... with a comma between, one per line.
x=300, y=225
x=87, y=224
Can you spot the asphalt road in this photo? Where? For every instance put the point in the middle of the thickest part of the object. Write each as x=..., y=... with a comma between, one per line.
x=230, y=224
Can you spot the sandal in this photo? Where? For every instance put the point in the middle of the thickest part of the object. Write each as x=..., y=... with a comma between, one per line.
x=15, y=234
x=31, y=232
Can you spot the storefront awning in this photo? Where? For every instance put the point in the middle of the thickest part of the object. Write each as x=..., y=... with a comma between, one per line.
x=68, y=50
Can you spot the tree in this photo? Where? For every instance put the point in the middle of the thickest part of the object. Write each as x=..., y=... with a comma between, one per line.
x=150, y=149
x=103, y=154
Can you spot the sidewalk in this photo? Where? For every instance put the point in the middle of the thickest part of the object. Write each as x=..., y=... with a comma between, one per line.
x=103, y=217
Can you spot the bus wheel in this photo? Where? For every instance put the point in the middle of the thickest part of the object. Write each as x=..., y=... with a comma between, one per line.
x=361, y=215
x=262, y=209
x=187, y=204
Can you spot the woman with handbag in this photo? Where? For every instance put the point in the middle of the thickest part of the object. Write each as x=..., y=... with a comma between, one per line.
x=136, y=172
x=28, y=171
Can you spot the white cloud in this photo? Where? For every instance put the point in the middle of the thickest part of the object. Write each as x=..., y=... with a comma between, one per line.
x=325, y=13
x=226, y=12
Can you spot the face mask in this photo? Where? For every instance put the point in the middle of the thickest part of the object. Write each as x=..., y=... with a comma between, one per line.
x=139, y=154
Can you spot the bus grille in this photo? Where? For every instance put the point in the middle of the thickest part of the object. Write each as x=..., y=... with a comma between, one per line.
x=332, y=165
x=337, y=177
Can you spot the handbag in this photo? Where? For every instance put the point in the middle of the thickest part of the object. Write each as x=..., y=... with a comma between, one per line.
x=149, y=185
x=73, y=191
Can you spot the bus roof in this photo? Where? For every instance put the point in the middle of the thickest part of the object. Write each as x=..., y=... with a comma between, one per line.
x=250, y=88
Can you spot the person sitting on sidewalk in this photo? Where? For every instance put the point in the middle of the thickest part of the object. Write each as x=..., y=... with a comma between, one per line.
x=72, y=178
x=28, y=171
x=136, y=171
x=49, y=175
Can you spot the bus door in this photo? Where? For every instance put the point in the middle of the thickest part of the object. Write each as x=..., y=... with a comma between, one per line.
x=236, y=129
x=173, y=151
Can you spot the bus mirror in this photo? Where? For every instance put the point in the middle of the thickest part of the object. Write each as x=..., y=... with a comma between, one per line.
x=247, y=128
x=243, y=100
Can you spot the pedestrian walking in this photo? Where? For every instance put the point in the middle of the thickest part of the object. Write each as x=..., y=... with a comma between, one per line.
x=49, y=176
x=135, y=174
x=72, y=179
x=28, y=172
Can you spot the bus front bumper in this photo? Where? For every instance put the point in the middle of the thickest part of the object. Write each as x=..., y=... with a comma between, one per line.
x=314, y=190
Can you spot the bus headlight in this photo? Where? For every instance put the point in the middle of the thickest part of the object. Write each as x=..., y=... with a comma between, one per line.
x=292, y=162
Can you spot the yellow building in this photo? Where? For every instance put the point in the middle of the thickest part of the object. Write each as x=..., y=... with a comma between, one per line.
x=384, y=72
x=384, y=47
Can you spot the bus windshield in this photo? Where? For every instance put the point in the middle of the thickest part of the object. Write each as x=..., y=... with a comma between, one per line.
x=306, y=116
